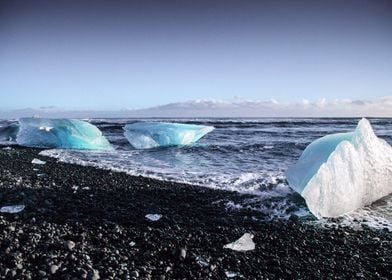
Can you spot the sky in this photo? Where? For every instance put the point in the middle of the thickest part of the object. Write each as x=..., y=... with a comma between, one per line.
x=115, y=55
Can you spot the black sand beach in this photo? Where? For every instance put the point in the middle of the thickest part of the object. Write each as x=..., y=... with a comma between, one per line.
x=81, y=222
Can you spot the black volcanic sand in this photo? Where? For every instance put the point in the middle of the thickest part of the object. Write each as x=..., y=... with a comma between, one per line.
x=81, y=222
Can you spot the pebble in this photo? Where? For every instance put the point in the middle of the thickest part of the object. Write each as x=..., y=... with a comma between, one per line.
x=70, y=245
x=134, y=274
x=53, y=268
x=182, y=253
x=93, y=275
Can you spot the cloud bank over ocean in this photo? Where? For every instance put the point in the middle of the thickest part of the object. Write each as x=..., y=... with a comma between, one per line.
x=236, y=107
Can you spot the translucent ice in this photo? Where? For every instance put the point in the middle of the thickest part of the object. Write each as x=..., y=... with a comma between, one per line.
x=60, y=133
x=9, y=132
x=153, y=217
x=340, y=173
x=232, y=275
x=245, y=243
x=38, y=161
x=12, y=209
x=146, y=135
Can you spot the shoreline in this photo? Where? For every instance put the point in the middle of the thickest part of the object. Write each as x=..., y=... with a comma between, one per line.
x=83, y=222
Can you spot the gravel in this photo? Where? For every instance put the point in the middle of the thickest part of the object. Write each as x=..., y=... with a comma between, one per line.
x=99, y=231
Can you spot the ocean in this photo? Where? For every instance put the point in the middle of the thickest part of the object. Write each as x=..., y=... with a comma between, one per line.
x=248, y=156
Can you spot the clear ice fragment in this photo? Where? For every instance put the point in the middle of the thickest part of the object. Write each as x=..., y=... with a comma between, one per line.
x=38, y=161
x=12, y=209
x=9, y=132
x=146, y=135
x=245, y=243
x=153, y=217
x=232, y=275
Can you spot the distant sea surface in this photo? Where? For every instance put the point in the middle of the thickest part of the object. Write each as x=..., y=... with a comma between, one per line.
x=244, y=155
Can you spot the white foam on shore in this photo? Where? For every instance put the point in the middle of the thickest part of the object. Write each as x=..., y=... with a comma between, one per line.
x=119, y=161
x=272, y=195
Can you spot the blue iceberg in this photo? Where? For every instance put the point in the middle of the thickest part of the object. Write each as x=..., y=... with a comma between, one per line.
x=60, y=133
x=9, y=132
x=146, y=135
x=342, y=172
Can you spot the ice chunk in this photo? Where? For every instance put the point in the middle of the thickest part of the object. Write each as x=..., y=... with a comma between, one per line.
x=233, y=275
x=202, y=261
x=245, y=243
x=60, y=133
x=9, y=132
x=340, y=173
x=312, y=158
x=154, y=217
x=38, y=161
x=145, y=135
x=12, y=209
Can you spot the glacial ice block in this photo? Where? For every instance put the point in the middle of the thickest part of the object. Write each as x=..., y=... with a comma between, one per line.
x=9, y=132
x=146, y=135
x=60, y=133
x=342, y=172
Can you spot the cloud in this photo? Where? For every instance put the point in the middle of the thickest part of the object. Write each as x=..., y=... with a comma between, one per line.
x=237, y=107
x=258, y=108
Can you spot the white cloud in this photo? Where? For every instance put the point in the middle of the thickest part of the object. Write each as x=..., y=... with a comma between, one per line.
x=257, y=108
x=237, y=107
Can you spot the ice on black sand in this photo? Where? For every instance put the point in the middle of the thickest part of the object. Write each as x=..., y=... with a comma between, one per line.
x=245, y=243
x=38, y=161
x=12, y=209
x=153, y=217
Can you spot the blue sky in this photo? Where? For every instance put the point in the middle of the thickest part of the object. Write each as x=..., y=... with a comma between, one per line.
x=141, y=54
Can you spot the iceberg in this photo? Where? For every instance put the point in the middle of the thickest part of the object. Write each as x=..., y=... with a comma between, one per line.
x=60, y=133
x=342, y=172
x=146, y=135
x=9, y=132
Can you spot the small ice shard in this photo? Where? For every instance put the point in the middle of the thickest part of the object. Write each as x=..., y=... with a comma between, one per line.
x=245, y=243
x=202, y=261
x=9, y=132
x=146, y=135
x=60, y=133
x=45, y=128
x=232, y=274
x=342, y=172
x=154, y=217
x=12, y=209
x=38, y=161
x=7, y=148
